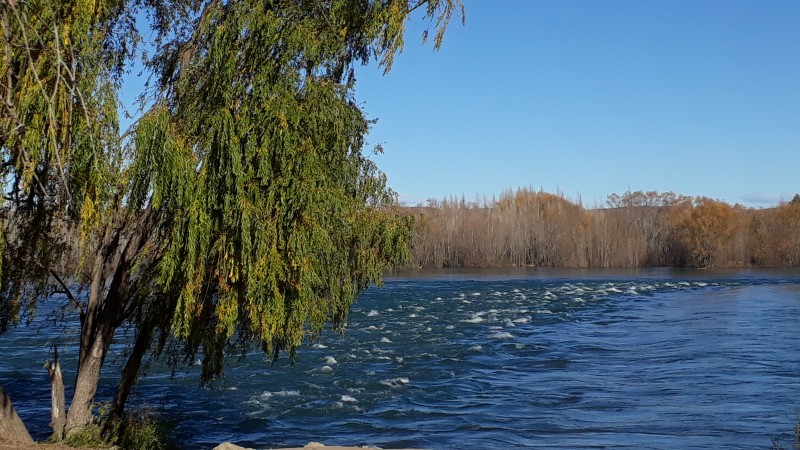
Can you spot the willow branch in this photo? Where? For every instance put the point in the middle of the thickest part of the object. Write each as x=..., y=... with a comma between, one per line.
x=51, y=109
x=66, y=291
x=415, y=7
x=187, y=49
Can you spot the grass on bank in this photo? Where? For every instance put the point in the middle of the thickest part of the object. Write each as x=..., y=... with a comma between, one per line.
x=138, y=431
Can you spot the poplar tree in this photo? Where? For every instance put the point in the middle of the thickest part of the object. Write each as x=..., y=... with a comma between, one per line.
x=240, y=210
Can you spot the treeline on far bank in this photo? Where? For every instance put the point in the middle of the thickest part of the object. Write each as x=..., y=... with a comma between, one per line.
x=636, y=229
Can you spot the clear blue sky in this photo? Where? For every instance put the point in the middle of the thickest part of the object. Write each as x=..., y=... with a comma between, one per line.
x=591, y=97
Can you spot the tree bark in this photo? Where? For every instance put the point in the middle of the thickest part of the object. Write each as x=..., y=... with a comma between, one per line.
x=88, y=378
x=102, y=318
x=58, y=414
x=93, y=349
x=11, y=427
x=131, y=371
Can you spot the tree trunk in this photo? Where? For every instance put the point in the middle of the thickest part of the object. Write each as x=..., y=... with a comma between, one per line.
x=87, y=380
x=103, y=317
x=131, y=371
x=92, y=349
x=11, y=427
x=58, y=414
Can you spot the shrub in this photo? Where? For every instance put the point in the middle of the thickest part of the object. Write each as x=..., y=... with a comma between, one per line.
x=90, y=436
x=138, y=431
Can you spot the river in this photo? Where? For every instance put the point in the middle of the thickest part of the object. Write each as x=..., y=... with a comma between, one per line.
x=530, y=358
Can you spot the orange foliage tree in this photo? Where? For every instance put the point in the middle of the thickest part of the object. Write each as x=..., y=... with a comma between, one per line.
x=529, y=228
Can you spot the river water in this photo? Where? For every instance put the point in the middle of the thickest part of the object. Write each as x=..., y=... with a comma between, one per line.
x=550, y=359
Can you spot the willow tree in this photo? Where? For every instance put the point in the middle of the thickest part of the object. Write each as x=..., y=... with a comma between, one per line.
x=239, y=210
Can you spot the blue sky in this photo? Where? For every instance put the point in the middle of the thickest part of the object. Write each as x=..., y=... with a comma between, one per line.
x=591, y=97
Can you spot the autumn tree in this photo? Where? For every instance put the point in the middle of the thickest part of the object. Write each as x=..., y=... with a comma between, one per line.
x=239, y=209
x=522, y=227
x=636, y=229
x=786, y=231
x=707, y=224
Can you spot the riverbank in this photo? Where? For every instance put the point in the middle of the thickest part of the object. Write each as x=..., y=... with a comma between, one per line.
x=37, y=446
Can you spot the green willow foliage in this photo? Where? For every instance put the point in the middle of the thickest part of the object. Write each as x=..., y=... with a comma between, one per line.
x=240, y=208
x=278, y=219
x=58, y=134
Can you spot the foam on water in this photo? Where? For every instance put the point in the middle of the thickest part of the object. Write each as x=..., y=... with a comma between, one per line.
x=474, y=319
x=266, y=395
x=395, y=382
x=502, y=335
x=590, y=363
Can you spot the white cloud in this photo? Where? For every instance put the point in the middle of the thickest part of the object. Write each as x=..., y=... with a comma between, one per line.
x=764, y=198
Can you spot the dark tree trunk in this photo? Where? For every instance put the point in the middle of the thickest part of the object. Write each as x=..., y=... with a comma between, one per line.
x=87, y=380
x=11, y=427
x=103, y=317
x=58, y=414
x=130, y=373
x=94, y=342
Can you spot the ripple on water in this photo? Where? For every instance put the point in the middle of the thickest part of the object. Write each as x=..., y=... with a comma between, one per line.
x=618, y=363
